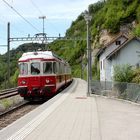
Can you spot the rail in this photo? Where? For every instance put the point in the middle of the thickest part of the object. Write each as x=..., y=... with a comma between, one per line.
x=14, y=108
x=8, y=93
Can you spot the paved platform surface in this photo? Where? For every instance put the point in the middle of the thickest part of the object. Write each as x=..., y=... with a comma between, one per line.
x=74, y=116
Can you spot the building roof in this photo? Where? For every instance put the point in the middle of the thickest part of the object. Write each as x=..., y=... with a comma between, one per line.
x=121, y=46
x=111, y=42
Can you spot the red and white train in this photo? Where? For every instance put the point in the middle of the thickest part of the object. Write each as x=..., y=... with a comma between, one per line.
x=42, y=74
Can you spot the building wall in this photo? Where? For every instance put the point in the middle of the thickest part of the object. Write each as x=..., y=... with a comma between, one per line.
x=106, y=68
x=113, y=46
x=130, y=54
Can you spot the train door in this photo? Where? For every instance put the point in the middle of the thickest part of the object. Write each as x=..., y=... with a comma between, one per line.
x=35, y=72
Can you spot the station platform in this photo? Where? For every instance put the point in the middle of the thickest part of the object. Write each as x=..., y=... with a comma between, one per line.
x=72, y=115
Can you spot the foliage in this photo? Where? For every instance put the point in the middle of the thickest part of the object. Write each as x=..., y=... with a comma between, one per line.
x=123, y=73
x=121, y=89
x=136, y=76
x=14, y=78
x=132, y=76
x=3, y=67
x=14, y=56
x=6, y=103
x=137, y=30
x=138, y=13
x=106, y=14
x=94, y=8
x=95, y=70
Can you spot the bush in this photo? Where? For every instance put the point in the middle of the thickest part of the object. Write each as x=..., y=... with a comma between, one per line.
x=137, y=30
x=123, y=73
x=136, y=76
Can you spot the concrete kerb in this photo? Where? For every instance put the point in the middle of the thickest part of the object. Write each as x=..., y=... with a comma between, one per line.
x=71, y=87
x=29, y=127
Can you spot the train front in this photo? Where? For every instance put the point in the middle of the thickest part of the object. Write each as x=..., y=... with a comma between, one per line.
x=34, y=82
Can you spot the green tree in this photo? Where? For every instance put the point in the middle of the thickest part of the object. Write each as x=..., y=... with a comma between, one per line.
x=138, y=13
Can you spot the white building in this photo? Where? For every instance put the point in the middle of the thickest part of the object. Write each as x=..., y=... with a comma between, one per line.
x=121, y=50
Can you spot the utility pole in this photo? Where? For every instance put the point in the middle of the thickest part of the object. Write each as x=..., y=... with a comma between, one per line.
x=44, y=35
x=81, y=67
x=87, y=18
x=8, y=52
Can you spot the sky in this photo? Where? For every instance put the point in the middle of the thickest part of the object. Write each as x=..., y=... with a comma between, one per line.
x=59, y=16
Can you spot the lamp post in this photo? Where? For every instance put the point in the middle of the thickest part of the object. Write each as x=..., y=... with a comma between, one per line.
x=87, y=18
x=8, y=52
x=43, y=18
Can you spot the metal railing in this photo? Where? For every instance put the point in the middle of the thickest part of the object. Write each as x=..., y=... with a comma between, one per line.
x=122, y=90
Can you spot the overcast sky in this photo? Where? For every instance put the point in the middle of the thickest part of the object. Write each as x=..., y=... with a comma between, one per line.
x=59, y=15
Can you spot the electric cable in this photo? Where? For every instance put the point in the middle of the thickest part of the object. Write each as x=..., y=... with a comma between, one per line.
x=36, y=7
x=20, y=15
x=33, y=3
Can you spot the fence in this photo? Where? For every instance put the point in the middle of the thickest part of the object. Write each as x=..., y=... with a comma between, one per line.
x=126, y=91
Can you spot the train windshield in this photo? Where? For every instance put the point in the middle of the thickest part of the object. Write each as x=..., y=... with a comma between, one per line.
x=23, y=67
x=47, y=67
x=35, y=68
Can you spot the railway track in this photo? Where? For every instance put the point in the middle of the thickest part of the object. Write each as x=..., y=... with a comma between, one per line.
x=15, y=113
x=12, y=109
x=8, y=93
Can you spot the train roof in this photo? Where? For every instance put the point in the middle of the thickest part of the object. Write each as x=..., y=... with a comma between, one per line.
x=39, y=55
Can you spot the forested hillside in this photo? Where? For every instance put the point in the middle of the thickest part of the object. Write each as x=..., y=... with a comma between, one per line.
x=110, y=15
x=106, y=14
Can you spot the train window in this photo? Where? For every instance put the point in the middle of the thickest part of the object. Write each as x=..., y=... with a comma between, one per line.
x=60, y=71
x=47, y=67
x=57, y=65
x=35, y=68
x=54, y=67
x=23, y=67
x=69, y=70
x=66, y=69
x=61, y=68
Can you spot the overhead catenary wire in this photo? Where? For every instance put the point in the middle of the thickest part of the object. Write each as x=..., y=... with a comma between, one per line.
x=36, y=7
x=33, y=3
x=3, y=20
x=20, y=15
x=2, y=23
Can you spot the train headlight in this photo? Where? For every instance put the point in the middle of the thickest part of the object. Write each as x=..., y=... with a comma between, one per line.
x=47, y=81
x=23, y=82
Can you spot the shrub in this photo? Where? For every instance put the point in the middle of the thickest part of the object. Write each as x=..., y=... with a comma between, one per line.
x=136, y=76
x=123, y=73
